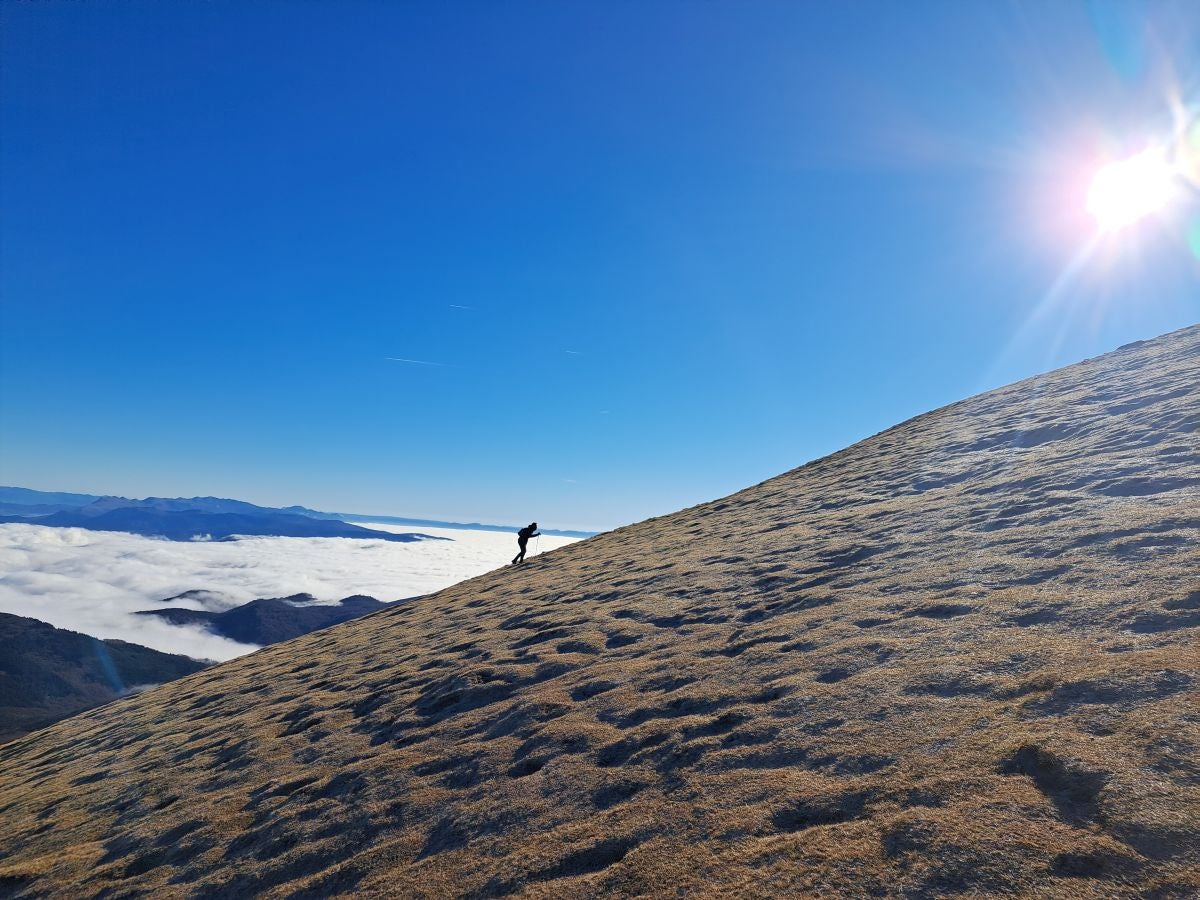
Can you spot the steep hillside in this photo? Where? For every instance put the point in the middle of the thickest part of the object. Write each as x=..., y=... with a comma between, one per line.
x=49, y=673
x=957, y=657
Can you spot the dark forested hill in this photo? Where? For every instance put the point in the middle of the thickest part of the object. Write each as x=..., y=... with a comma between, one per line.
x=47, y=673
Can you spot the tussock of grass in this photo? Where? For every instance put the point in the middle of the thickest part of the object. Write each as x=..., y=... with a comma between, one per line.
x=958, y=657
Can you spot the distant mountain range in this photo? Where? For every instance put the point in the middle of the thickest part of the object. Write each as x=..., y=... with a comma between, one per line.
x=187, y=525
x=270, y=620
x=181, y=519
x=469, y=526
x=19, y=504
x=48, y=673
x=19, y=501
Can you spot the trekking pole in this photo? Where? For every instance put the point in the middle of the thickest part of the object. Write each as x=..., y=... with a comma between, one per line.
x=537, y=545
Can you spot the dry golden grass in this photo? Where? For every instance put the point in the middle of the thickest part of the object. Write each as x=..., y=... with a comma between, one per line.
x=957, y=657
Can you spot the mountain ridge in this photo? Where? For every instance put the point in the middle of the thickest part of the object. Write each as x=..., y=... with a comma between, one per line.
x=958, y=656
x=269, y=620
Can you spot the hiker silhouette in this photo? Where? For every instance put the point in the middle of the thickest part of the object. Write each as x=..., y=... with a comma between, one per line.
x=523, y=537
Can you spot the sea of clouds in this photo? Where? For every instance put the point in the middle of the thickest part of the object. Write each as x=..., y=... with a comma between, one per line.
x=94, y=581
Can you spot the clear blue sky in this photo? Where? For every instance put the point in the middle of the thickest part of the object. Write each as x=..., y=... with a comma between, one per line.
x=698, y=243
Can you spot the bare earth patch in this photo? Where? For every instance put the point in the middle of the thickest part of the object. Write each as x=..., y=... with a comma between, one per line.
x=959, y=657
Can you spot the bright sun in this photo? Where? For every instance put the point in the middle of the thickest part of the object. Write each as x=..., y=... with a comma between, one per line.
x=1126, y=191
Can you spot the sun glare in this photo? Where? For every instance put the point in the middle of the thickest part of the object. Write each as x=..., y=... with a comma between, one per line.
x=1126, y=191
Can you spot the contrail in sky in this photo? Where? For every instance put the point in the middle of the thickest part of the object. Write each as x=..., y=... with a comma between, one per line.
x=456, y=306
x=417, y=362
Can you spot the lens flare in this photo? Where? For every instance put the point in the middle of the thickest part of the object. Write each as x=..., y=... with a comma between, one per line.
x=1193, y=237
x=1131, y=189
x=1189, y=153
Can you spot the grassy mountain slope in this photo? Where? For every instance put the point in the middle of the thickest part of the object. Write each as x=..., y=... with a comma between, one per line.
x=958, y=656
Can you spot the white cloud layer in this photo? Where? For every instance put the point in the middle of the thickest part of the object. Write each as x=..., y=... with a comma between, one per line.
x=94, y=581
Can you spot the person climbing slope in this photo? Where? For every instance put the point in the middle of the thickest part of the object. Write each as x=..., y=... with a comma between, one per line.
x=523, y=537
